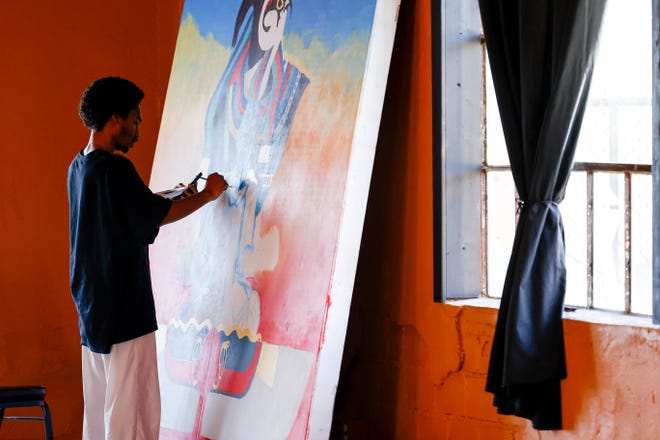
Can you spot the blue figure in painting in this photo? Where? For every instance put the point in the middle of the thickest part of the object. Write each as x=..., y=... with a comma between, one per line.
x=247, y=126
x=216, y=343
x=252, y=108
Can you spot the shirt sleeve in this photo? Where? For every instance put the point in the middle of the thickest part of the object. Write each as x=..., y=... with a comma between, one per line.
x=141, y=210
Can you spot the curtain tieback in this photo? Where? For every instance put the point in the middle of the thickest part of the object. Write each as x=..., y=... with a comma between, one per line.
x=522, y=203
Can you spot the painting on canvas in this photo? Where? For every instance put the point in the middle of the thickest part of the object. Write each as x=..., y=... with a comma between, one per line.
x=266, y=93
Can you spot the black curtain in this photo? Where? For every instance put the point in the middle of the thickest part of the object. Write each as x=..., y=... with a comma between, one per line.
x=541, y=56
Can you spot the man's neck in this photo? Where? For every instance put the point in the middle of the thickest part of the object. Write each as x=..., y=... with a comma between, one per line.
x=98, y=142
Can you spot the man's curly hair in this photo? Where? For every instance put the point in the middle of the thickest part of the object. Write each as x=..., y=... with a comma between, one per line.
x=106, y=97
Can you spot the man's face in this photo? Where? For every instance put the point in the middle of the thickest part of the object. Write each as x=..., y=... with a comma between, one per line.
x=128, y=132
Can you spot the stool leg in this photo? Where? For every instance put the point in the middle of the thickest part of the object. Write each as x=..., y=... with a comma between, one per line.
x=48, y=426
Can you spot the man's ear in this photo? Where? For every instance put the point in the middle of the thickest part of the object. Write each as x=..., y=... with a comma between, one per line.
x=114, y=121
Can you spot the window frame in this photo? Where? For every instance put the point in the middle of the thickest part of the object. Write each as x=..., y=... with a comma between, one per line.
x=655, y=165
x=458, y=119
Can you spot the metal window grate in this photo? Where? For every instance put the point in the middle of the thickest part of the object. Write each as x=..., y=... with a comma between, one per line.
x=590, y=169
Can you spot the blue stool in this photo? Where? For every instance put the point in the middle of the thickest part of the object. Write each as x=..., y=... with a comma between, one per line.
x=15, y=397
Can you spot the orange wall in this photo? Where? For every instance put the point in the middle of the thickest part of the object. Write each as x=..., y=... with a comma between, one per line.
x=50, y=51
x=414, y=369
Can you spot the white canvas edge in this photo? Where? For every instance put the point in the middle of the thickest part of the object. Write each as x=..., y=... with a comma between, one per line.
x=356, y=193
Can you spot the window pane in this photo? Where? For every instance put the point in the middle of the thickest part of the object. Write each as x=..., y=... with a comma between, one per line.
x=609, y=263
x=635, y=134
x=496, y=153
x=501, y=228
x=617, y=121
x=641, y=245
x=594, y=141
x=574, y=214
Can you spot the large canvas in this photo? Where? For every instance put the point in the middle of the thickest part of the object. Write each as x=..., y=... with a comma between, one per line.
x=252, y=292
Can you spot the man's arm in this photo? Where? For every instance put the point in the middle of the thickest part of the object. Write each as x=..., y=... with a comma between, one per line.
x=215, y=185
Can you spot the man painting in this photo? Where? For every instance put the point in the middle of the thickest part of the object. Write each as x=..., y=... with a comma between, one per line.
x=113, y=218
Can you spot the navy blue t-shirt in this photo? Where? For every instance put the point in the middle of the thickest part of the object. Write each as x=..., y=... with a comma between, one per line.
x=113, y=218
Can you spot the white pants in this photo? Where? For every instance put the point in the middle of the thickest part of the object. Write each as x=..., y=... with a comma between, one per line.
x=121, y=392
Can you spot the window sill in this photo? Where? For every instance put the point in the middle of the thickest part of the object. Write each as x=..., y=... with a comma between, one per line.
x=593, y=316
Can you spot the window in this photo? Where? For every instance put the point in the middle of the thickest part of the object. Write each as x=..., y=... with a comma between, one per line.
x=607, y=211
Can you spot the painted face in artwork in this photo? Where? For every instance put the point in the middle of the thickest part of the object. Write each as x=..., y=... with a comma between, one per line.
x=128, y=132
x=272, y=20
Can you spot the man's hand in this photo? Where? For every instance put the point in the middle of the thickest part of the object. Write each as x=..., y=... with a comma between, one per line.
x=215, y=185
x=188, y=190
